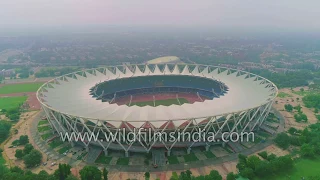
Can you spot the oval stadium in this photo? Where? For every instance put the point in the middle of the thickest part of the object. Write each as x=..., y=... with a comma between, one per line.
x=145, y=100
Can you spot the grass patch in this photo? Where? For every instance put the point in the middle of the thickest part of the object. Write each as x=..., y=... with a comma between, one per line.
x=257, y=139
x=20, y=88
x=304, y=93
x=46, y=136
x=55, y=143
x=64, y=149
x=302, y=168
x=190, y=157
x=102, y=159
x=283, y=95
x=165, y=102
x=2, y=161
x=12, y=102
x=44, y=128
x=209, y=154
x=42, y=122
x=123, y=161
x=173, y=160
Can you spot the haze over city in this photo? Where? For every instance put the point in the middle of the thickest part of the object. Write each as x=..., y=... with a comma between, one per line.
x=292, y=15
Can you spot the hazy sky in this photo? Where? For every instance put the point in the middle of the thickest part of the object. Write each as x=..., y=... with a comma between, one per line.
x=206, y=13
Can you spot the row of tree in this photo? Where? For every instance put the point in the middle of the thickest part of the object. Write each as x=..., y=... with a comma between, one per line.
x=5, y=127
x=288, y=79
x=62, y=173
x=307, y=140
x=31, y=157
x=253, y=167
x=13, y=114
x=187, y=175
x=312, y=100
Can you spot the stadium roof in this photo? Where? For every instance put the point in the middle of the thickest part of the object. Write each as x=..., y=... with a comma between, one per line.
x=70, y=94
x=164, y=59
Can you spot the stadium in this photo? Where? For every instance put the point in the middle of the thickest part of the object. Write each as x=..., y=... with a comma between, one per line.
x=160, y=97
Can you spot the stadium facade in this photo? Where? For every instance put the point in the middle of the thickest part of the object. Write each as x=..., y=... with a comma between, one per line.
x=104, y=100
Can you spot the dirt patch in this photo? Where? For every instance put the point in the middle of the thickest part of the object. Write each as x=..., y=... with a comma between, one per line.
x=23, y=127
x=294, y=100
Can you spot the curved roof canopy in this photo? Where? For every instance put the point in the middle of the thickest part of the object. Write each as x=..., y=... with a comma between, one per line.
x=70, y=94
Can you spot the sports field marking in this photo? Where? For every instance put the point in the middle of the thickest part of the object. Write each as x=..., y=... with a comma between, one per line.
x=164, y=102
x=12, y=102
x=19, y=88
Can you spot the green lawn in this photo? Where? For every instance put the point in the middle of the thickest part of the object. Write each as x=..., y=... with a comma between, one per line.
x=20, y=88
x=46, y=136
x=42, y=122
x=283, y=95
x=55, y=143
x=12, y=102
x=165, y=102
x=2, y=161
x=64, y=149
x=209, y=154
x=173, y=160
x=124, y=161
x=190, y=157
x=302, y=168
x=44, y=128
x=102, y=159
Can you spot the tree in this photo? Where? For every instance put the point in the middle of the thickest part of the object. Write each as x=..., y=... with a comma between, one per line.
x=214, y=175
x=301, y=90
x=3, y=171
x=282, y=140
x=316, y=110
x=247, y=172
x=90, y=173
x=307, y=150
x=271, y=157
x=298, y=108
x=33, y=158
x=71, y=177
x=231, y=176
x=292, y=130
x=27, y=148
x=253, y=162
x=16, y=169
x=44, y=175
x=24, y=139
x=174, y=176
x=63, y=171
x=262, y=169
x=19, y=154
x=147, y=175
x=105, y=174
x=263, y=154
x=4, y=130
x=288, y=107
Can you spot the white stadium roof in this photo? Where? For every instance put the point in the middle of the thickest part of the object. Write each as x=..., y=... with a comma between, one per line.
x=70, y=94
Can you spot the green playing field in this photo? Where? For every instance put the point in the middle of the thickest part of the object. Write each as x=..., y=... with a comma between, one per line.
x=165, y=102
x=19, y=88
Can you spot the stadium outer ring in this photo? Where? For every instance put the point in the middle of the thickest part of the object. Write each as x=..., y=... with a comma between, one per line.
x=247, y=120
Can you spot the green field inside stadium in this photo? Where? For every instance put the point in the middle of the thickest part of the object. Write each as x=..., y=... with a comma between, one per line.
x=19, y=88
x=164, y=102
x=12, y=102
